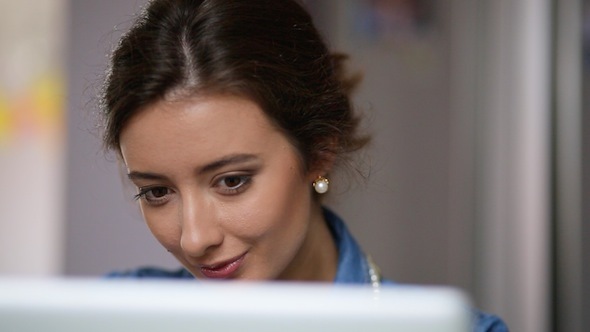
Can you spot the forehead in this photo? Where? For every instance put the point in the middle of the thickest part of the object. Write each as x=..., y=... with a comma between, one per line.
x=198, y=129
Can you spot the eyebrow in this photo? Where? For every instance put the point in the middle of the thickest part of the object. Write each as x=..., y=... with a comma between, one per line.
x=144, y=176
x=227, y=160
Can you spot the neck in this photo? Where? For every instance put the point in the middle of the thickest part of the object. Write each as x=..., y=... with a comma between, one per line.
x=317, y=259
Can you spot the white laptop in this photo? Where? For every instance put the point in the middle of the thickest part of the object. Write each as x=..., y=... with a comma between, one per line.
x=145, y=306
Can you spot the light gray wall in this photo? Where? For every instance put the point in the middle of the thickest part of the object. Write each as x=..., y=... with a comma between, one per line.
x=400, y=215
x=569, y=168
x=457, y=186
x=586, y=206
x=585, y=115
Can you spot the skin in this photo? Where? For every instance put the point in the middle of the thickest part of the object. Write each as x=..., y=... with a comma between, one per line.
x=217, y=181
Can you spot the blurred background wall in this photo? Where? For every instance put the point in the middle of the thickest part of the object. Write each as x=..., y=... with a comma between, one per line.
x=32, y=137
x=478, y=175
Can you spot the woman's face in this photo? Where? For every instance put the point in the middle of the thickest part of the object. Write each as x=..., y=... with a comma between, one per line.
x=221, y=188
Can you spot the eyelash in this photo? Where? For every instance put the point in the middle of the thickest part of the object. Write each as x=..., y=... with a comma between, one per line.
x=144, y=192
x=245, y=181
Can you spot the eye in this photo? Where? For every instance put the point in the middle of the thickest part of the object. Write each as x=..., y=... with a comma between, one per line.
x=232, y=181
x=154, y=195
x=233, y=184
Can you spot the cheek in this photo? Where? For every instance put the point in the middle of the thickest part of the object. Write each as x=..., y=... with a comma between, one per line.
x=275, y=208
x=163, y=226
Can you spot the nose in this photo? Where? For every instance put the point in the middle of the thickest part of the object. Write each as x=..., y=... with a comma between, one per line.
x=201, y=231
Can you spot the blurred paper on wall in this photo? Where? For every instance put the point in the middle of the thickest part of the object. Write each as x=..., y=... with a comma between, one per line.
x=394, y=19
x=404, y=29
x=32, y=135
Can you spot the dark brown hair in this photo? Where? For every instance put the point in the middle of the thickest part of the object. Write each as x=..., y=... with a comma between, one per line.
x=265, y=50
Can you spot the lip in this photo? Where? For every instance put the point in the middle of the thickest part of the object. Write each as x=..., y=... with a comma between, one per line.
x=222, y=270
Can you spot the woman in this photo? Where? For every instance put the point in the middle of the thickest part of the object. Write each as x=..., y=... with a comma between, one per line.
x=229, y=116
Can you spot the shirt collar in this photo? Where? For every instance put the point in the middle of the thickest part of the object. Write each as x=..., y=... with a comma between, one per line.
x=352, y=263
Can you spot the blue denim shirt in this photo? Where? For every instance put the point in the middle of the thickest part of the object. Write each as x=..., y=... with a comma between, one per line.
x=353, y=268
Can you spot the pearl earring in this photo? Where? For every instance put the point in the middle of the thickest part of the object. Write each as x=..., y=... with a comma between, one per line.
x=321, y=185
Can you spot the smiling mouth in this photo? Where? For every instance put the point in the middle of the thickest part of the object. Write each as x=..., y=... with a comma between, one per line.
x=223, y=270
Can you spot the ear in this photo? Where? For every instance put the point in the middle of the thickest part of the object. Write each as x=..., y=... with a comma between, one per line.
x=324, y=158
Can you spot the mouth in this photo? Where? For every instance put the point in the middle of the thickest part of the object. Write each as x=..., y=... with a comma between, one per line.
x=222, y=270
